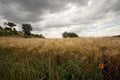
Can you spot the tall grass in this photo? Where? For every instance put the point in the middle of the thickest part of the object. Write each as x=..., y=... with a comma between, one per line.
x=59, y=59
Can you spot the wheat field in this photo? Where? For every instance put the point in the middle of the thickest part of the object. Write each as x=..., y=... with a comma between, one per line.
x=59, y=59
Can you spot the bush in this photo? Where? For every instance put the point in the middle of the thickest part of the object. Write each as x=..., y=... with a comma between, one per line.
x=37, y=35
x=15, y=31
x=7, y=28
x=69, y=34
x=1, y=27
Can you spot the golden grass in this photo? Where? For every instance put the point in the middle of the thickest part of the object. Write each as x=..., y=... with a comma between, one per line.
x=79, y=47
x=91, y=51
x=74, y=45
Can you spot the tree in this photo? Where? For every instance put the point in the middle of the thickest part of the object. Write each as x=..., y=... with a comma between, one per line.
x=15, y=31
x=5, y=23
x=1, y=27
x=27, y=28
x=41, y=36
x=65, y=34
x=7, y=28
x=37, y=35
x=69, y=34
x=11, y=24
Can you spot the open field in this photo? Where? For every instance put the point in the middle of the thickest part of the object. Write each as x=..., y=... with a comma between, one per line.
x=59, y=59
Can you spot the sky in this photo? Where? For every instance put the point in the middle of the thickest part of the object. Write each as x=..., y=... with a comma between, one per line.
x=89, y=18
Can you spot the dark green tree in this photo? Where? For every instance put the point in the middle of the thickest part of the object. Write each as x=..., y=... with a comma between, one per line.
x=5, y=23
x=7, y=28
x=1, y=27
x=11, y=24
x=65, y=34
x=27, y=28
x=41, y=36
x=69, y=34
x=14, y=31
x=37, y=35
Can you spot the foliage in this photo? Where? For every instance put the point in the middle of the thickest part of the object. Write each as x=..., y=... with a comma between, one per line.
x=7, y=28
x=27, y=28
x=116, y=36
x=9, y=31
x=15, y=31
x=11, y=24
x=37, y=35
x=69, y=34
x=1, y=27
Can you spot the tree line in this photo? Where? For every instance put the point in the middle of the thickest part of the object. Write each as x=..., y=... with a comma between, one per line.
x=27, y=28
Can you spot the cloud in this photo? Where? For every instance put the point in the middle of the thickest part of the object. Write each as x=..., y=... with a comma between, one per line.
x=32, y=10
x=52, y=17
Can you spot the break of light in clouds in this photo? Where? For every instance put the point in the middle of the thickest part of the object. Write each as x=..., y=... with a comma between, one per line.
x=52, y=17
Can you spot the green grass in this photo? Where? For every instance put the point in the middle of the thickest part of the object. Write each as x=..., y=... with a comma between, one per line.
x=15, y=65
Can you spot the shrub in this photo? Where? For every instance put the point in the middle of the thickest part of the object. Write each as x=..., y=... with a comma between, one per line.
x=1, y=27
x=7, y=28
x=69, y=34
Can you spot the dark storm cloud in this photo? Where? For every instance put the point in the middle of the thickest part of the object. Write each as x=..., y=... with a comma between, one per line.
x=32, y=10
x=116, y=5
